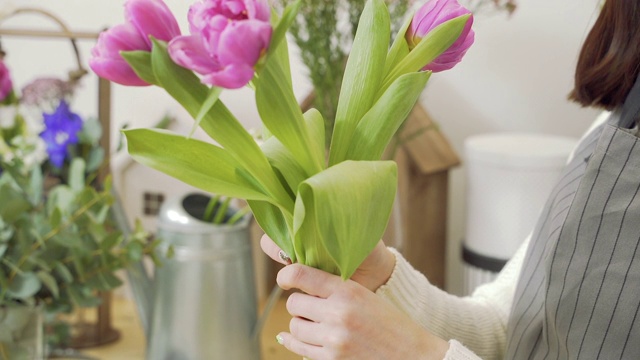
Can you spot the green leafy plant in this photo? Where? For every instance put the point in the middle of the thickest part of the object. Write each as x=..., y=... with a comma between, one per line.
x=59, y=245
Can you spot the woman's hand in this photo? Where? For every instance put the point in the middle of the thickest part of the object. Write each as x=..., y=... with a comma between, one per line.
x=339, y=319
x=374, y=271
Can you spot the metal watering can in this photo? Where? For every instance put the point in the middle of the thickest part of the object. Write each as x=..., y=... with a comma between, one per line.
x=201, y=303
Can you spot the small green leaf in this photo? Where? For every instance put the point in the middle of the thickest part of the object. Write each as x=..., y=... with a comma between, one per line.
x=64, y=272
x=61, y=198
x=49, y=282
x=13, y=204
x=110, y=241
x=140, y=62
x=56, y=218
x=76, y=175
x=35, y=186
x=399, y=49
x=134, y=251
x=95, y=159
x=24, y=285
x=91, y=132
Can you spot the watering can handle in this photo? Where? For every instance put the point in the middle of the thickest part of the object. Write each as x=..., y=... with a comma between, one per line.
x=139, y=278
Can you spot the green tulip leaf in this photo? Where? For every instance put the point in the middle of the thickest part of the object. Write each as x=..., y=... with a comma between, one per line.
x=212, y=98
x=140, y=62
x=219, y=123
x=341, y=214
x=281, y=114
x=430, y=47
x=274, y=223
x=284, y=164
x=378, y=126
x=282, y=159
x=278, y=47
x=399, y=49
x=362, y=77
x=197, y=163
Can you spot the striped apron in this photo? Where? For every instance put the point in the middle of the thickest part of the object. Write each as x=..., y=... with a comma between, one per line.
x=578, y=295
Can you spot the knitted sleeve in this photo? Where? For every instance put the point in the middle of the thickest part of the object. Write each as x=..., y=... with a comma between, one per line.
x=478, y=321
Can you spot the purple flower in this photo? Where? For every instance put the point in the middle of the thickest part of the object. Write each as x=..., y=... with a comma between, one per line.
x=61, y=130
x=228, y=38
x=428, y=17
x=6, y=85
x=143, y=18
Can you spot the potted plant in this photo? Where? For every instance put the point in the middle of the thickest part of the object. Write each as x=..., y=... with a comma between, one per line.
x=59, y=247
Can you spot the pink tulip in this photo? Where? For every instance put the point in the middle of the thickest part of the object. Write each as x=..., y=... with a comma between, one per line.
x=143, y=19
x=428, y=17
x=6, y=85
x=228, y=38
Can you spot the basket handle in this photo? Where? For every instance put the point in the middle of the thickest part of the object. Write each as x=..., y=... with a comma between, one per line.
x=74, y=75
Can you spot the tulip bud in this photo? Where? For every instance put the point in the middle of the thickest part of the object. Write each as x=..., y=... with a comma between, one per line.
x=143, y=18
x=6, y=85
x=228, y=38
x=427, y=18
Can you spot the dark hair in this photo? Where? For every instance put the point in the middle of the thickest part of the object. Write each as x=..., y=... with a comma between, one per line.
x=609, y=61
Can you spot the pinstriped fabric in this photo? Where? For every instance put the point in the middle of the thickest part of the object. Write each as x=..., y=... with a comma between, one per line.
x=578, y=295
x=524, y=332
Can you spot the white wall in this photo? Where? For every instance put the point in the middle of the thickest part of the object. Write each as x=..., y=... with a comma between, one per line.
x=515, y=78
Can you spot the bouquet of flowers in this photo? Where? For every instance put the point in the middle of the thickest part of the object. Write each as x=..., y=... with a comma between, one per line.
x=58, y=244
x=324, y=210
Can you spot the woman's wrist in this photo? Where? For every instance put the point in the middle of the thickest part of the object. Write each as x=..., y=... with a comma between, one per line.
x=376, y=270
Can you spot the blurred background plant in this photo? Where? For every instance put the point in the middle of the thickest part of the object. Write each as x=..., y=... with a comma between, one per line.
x=324, y=31
x=59, y=246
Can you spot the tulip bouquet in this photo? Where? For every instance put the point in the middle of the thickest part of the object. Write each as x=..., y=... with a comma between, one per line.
x=324, y=210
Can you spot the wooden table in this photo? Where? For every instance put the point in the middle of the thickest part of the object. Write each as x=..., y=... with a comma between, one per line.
x=131, y=345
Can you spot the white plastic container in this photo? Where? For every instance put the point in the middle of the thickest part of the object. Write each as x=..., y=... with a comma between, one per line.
x=509, y=176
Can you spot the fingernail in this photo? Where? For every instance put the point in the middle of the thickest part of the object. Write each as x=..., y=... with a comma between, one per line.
x=284, y=257
x=279, y=339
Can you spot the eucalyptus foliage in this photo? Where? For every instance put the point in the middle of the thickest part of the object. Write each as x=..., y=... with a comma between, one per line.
x=59, y=247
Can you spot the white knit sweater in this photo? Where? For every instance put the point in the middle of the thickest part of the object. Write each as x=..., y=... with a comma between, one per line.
x=478, y=321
